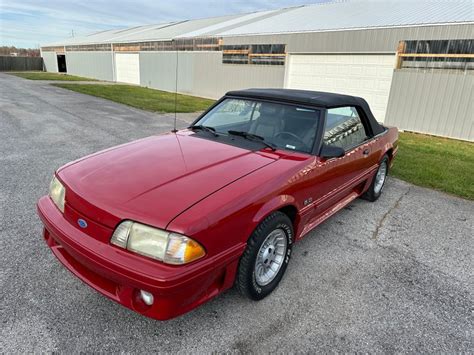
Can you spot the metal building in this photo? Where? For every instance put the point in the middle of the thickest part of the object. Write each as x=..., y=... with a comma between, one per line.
x=413, y=61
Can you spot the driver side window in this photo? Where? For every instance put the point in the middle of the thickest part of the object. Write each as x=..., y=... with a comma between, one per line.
x=344, y=128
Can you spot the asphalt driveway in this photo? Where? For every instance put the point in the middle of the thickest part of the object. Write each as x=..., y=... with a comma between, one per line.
x=390, y=276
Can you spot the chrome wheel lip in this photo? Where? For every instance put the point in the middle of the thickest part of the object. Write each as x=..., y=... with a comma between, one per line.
x=270, y=257
x=380, y=177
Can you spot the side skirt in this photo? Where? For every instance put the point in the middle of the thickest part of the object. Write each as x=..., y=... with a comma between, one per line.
x=328, y=213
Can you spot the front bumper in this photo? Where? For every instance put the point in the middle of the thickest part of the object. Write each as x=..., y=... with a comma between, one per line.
x=120, y=275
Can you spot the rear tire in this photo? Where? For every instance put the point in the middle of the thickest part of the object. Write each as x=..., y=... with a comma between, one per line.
x=266, y=257
x=378, y=182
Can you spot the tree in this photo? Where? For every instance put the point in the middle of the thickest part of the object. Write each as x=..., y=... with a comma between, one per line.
x=22, y=52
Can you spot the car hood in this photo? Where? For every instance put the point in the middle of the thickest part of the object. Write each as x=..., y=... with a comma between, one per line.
x=154, y=179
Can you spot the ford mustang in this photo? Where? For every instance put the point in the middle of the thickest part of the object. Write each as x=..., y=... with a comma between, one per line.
x=163, y=224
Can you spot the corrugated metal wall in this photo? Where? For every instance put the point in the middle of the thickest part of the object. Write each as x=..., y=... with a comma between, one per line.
x=437, y=102
x=441, y=93
x=50, y=61
x=434, y=102
x=203, y=74
x=96, y=65
x=362, y=41
x=158, y=70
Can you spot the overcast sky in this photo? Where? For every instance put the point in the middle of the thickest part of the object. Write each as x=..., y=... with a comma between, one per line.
x=28, y=23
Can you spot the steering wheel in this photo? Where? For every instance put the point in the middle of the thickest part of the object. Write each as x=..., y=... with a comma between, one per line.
x=291, y=135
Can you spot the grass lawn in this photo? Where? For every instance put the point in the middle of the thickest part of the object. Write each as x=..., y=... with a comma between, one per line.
x=39, y=75
x=143, y=98
x=439, y=163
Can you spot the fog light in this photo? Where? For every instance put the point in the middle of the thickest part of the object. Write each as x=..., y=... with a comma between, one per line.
x=147, y=297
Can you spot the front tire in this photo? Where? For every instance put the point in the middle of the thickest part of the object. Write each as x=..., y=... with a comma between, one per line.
x=266, y=257
x=378, y=182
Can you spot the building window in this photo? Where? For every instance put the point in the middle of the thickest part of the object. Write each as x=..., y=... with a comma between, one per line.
x=59, y=49
x=185, y=44
x=455, y=54
x=88, y=48
x=260, y=54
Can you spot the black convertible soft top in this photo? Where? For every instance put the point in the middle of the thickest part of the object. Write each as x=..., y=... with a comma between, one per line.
x=314, y=98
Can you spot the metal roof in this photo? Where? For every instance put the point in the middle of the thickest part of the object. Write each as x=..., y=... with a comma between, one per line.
x=157, y=32
x=360, y=14
x=108, y=36
x=178, y=29
x=231, y=23
x=331, y=16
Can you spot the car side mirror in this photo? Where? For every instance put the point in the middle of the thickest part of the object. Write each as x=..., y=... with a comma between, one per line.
x=329, y=151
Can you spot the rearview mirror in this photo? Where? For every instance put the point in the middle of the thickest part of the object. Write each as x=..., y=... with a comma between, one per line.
x=329, y=151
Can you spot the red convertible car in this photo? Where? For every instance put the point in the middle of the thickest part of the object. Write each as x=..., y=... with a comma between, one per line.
x=165, y=223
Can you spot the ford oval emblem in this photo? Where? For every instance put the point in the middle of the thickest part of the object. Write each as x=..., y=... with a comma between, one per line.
x=82, y=223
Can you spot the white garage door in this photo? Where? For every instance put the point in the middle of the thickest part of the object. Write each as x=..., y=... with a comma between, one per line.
x=127, y=68
x=367, y=76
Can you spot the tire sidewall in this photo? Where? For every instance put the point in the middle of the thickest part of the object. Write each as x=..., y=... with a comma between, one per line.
x=375, y=194
x=280, y=222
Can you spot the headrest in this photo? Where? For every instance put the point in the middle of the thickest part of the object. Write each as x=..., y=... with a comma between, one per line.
x=270, y=113
x=269, y=109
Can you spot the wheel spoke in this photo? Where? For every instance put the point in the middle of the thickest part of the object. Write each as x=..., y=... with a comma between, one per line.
x=272, y=250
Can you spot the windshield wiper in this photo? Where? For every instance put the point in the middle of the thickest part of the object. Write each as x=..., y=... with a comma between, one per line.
x=252, y=137
x=206, y=129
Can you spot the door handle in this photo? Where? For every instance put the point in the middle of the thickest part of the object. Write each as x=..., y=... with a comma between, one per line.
x=366, y=152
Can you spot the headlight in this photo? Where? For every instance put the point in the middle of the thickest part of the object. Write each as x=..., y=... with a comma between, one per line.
x=57, y=193
x=171, y=248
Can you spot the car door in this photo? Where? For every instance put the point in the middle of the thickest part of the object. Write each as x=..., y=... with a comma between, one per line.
x=337, y=178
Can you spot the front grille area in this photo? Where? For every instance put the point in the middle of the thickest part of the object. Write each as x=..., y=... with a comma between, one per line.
x=93, y=229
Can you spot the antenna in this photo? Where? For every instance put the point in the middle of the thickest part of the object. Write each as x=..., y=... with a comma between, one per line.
x=176, y=90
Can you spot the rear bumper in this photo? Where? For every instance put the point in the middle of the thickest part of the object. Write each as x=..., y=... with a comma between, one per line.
x=120, y=275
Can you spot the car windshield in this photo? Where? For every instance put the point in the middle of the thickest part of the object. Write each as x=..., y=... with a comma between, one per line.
x=282, y=126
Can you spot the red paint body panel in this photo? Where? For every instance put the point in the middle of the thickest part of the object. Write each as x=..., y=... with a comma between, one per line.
x=117, y=273
x=212, y=192
x=142, y=181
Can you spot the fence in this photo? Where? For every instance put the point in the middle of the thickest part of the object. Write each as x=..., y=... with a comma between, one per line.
x=8, y=63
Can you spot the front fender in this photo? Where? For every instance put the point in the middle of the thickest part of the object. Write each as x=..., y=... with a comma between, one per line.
x=271, y=205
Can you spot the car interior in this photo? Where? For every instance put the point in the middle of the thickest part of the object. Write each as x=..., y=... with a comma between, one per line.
x=278, y=123
x=285, y=126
